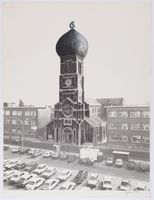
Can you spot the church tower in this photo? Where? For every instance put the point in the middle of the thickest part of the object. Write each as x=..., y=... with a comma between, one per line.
x=71, y=109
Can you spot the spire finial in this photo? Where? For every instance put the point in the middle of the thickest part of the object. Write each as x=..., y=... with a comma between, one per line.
x=72, y=25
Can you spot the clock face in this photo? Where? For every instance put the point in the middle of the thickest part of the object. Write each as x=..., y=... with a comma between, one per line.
x=68, y=82
x=67, y=110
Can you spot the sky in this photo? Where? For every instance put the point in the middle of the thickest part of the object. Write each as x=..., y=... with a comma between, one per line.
x=118, y=63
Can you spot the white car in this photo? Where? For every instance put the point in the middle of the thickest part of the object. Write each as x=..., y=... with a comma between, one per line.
x=119, y=163
x=50, y=184
x=40, y=169
x=8, y=174
x=11, y=164
x=48, y=154
x=68, y=186
x=93, y=180
x=140, y=187
x=107, y=183
x=15, y=149
x=48, y=173
x=34, y=183
x=85, y=188
x=125, y=185
x=31, y=151
x=16, y=176
x=24, y=179
x=64, y=175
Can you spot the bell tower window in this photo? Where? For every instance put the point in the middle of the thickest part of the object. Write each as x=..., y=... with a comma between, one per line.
x=79, y=67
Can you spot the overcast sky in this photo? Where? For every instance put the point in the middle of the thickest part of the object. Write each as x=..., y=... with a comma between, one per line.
x=118, y=63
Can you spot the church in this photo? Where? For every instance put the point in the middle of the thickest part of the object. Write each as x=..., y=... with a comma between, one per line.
x=73, y=123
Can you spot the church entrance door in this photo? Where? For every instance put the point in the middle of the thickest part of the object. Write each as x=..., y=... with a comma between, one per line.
x=68, y=135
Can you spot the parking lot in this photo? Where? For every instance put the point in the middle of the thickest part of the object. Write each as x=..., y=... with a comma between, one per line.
x=100, y=168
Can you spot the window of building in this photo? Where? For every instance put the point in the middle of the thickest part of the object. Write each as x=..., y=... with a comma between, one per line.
x=135, y=114
x=20, y=113
x=146, y=127
x=67, y=122
x=27, y=113
x=26, y=122
x=112, y=114
x=79, y=67
x=7, y=112
x=146, y=114
x=14, y=121
x=14, y=112
x=124, y=126
x=7, y=121
x=123, y=114
x=111, y=126
x=136, y=126
x=139, y=139
x=33, y=113
x=118, y=138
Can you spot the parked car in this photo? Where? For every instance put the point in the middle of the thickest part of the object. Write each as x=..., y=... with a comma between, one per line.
x=68, y=186
x=11, y=164
x=20, y=165
x=40, y=169
x=143, y=166
x=15, y=149
x=125, y=185
x=119, y=163
x=48, y=154
x=48, y=173
x=31, y=166
x=109, y=161
x=131, y=165
x=64, y=175
x=24, y=150
x=16, y=176
x=80, y=177
x=34, y=183
x=31, y=151
x=93, y=180
x=55, y=155
x=85, y=188
x=36, y=153
x=5, y=147
x=86, y=161
x=25, y=179
x=50, y=184
x=63, y=155
x=107, y=184
x=71, y=158
x=8, y=174
x=140, y=187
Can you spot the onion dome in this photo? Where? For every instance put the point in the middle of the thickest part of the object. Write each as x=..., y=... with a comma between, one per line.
x=72, y=42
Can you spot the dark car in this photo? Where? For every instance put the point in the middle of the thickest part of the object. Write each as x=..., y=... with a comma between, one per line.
x=63, y=156
x=31, y=166
x=24, y=150
x=36, y=153
x=86, y=161
x=131, y=165
x=80, y=177
x=71, y=158
x=6, y=148
x=20, y=166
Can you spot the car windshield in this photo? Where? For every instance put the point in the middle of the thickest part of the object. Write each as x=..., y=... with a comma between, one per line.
x=49, y=171
x=93, y=178
x=107, y=182
x=40, y=167
x=124, y=183
x=140, y=188
x=31, y=183
x=62, y=188
x=16, y=175
x=46, y=184
x=22, y=179
x=62, y=174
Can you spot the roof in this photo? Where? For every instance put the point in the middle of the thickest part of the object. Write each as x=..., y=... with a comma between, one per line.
x=94, y=120
x=111, y=101
x=92, y=102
